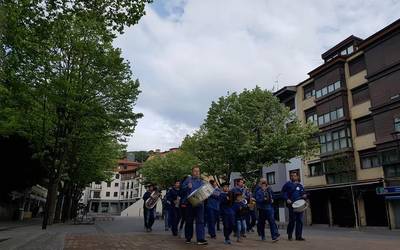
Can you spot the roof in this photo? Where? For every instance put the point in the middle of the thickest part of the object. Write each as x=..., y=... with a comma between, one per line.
x=380, y=34
x=348, y=40
x=131, y=166
x=291, y=89
x=326, y=65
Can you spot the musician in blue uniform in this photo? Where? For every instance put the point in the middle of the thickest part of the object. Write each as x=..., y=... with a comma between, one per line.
x=228, y=215
x=264, y=199
x=149, y=213
x=212, y=209
x=240, y=188
x=173, y=200
x=194, y=213
x=291, y=192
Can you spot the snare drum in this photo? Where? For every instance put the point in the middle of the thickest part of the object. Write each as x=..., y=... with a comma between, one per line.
x=299, y=206
x=201, y=194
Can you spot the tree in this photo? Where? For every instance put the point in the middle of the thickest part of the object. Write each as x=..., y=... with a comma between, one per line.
x=63, y=80
x=163, y=170
x=244, y=132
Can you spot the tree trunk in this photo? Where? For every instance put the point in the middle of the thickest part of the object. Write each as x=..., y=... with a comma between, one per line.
x=59, y=207
x=50, y=203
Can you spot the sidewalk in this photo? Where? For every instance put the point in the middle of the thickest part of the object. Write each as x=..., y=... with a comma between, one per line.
x=128, y=233
x=29, y=235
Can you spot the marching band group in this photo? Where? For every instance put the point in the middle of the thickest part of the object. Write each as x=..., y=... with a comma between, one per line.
x=239, y=208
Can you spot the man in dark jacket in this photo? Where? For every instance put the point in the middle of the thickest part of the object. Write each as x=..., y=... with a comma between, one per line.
x=264, y=199
x=173, y=200
x=291, y=192
x=149, y=213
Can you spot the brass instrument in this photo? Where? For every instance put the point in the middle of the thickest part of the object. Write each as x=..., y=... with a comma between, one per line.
x=151, y=202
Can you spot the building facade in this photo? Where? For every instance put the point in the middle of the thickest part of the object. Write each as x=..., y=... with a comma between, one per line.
x=119, y=193
x=354, y=99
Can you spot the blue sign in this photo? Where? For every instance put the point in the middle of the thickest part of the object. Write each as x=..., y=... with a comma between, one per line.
x=388, y=190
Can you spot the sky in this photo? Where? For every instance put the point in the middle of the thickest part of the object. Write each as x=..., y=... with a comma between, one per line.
x=187, y=53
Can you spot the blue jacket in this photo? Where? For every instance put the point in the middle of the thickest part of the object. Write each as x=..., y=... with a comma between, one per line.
x=292, y=191
x=196, y=183
x=241, y=190
x=213, y=201
x=172, y=195
x=239, y=208
x=260, y=198
x=225, y=204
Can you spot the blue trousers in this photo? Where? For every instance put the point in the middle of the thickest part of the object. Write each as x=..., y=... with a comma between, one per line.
x=267, y=214
x=228, y=221
x=212, y=218
x=174, y=216
x=295, y=219
x=149, y=215
x=251, y=219
x=195, y=213
x=240, y=227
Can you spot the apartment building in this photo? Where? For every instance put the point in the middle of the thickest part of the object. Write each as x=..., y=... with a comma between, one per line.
x=119, y=193
x=354, y=99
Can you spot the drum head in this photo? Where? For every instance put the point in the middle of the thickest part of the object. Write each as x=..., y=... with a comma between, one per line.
x=299, y=203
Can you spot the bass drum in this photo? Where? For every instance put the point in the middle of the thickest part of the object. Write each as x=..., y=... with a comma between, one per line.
x=299, y=206
x=201, y=194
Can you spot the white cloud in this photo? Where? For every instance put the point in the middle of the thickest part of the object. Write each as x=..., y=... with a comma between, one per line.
x=188, y=53
x=156, y=132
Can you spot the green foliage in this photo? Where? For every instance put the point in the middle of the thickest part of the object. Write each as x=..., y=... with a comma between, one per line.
x=163, y=170
x=244, y=132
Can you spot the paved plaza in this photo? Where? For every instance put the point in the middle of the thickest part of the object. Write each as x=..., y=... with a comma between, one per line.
x=127, y=233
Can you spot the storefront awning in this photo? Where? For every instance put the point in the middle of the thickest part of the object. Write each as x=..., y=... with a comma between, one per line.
x=394, y=197
x=342, y=185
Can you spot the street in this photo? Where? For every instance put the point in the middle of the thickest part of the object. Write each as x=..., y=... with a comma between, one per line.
x=127, y=233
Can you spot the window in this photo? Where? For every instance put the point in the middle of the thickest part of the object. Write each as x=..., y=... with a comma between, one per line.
x=122, y=194
x=357, y=65
x=337, y=85
x=117, y=176
x=331, y=116
x=116, y=184
x=291, y=104
x=131, y=194
x=316, y=169
x=318, y=93
x=397, y=124
x=271, y=178
x=328, y=89
x=369, y=161
x=107, y=194
x=122, y=185
x=311, y=117
x=360, y=94
x=320, y=120
x=108, y=184
x=327, y=119
x=364, y=125
x=332, y=141
x=96, y=194
x=388, y=156
x=340, y=113
x=343, y=52
x=350, y=49
x=324, y=91
x=309, y=91
x=392, y=171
